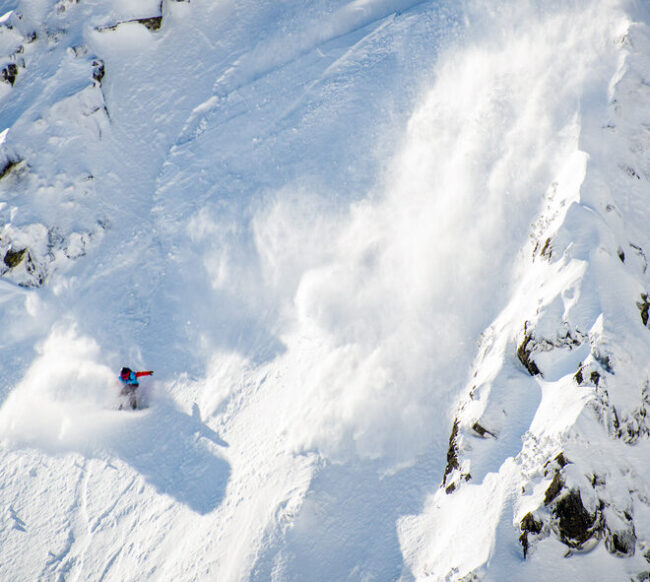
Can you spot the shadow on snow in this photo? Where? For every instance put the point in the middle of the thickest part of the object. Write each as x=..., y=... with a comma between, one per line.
x=176, y=453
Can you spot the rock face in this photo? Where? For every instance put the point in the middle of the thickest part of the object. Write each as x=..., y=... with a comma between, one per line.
x=575, y=523
x=524, y=354
x=562, y=384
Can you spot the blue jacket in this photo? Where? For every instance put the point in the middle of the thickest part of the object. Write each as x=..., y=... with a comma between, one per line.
x=132, y=380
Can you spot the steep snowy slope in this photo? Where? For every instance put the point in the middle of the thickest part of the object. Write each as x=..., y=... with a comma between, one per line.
x=548, y=453
x=305, y=217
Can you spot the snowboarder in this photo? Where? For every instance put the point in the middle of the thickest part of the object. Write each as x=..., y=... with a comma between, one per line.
x=130, y=384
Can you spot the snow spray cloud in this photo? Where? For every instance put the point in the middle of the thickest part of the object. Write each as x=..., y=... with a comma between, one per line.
x=61, y=403
x=385, y=322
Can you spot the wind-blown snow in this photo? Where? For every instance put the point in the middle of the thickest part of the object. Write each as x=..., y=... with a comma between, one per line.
x=315, y=222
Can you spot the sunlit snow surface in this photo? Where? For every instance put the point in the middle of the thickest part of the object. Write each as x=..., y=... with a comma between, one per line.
x=315, y=221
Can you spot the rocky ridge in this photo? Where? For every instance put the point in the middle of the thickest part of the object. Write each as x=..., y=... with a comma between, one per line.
x=586, y=349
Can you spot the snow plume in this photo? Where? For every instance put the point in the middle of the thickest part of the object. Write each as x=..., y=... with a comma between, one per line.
x=62, y=401
x=386, y=320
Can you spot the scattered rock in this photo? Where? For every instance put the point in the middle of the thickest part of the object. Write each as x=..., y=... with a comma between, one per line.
x=34, y=274
x=30, y=254
x=64, y=5
x=9, y=73
x=621, y=255
x=604, y=361
x=547, y=251
x=558, y=463
x=14, y=258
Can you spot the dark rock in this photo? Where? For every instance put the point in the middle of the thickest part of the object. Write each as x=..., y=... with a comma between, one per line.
x=523, y=353
x=575, y=522
x=568, y=341
x=151, y=23
x=561, y=460
x=452, y=452
x=597, y=481
x=578, y=375
x=621, y=255
x=615, y=421
x=9, y=73
x=8, y=166
x=594, y=377
x=644, y=307
x=476, y=427
x=98, y=70
x=547, y=251
x=523, y=540
x=37, y=275
x=450, y=489
x=528, y=525
x=621, y=543
x=553, y=489
x=14, y=258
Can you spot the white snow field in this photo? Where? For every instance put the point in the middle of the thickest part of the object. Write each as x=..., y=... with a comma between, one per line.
x=387, y=259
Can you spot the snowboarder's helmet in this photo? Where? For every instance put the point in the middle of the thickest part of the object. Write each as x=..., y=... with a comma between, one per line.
x=125, y=373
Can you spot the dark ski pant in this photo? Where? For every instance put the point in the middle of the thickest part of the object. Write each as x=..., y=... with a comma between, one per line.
x=129, y=391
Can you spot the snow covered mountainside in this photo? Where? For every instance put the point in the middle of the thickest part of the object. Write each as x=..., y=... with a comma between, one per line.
x=387, y=258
